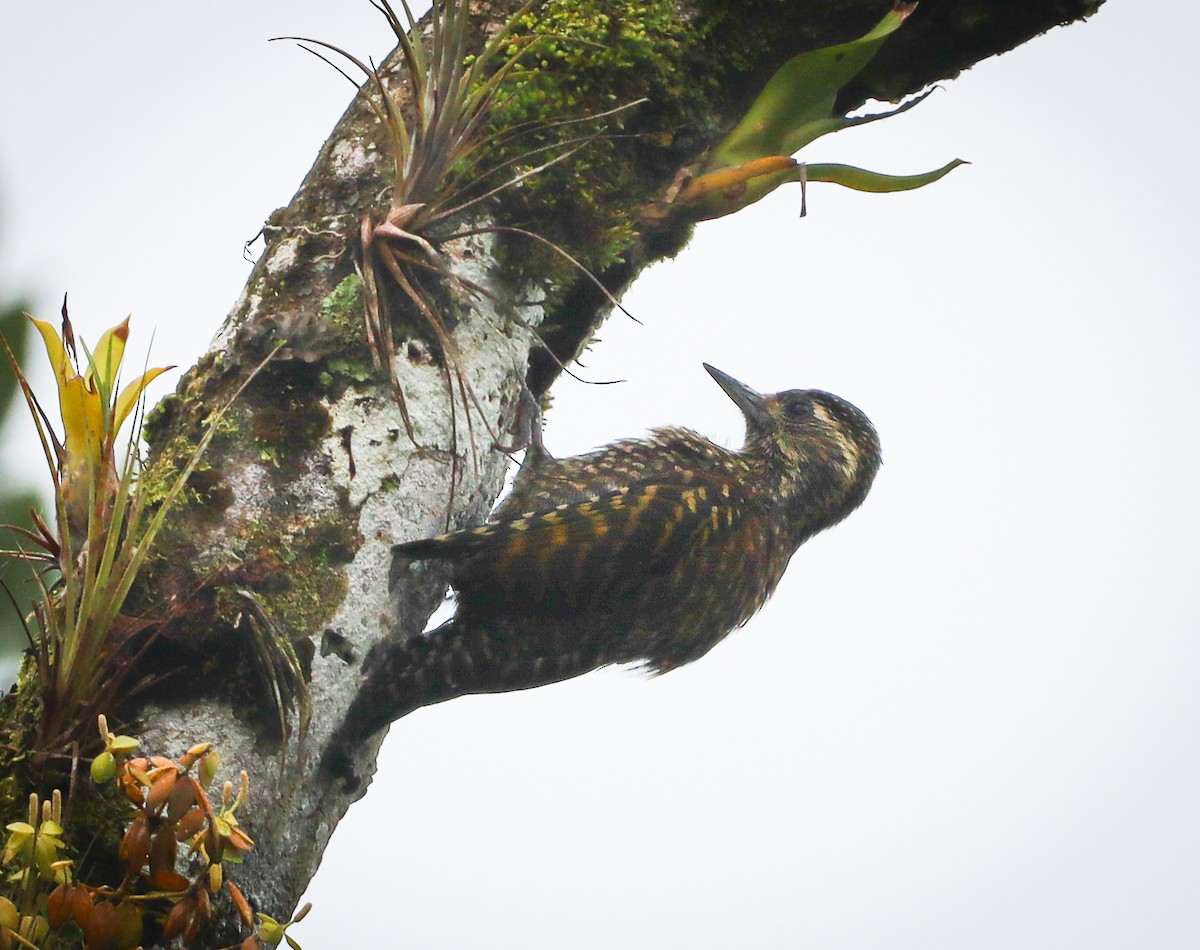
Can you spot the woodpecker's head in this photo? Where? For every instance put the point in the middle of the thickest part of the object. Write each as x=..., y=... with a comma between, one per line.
x=825, y=448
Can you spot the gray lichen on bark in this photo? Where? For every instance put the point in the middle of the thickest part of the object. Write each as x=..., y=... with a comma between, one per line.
x=395, y=492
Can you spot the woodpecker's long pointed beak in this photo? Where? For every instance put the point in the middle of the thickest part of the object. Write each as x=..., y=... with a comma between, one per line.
x=752, y=404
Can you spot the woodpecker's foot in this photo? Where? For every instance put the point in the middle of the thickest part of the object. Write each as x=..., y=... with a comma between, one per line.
x=527, y=426
x=338, y=765
x=398, y=568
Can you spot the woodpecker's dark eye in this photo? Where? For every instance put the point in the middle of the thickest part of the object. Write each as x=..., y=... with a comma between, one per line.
x=797, y=409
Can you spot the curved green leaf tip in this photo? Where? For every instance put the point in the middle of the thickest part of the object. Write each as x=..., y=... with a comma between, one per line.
x=848, y=176
x=795, y=108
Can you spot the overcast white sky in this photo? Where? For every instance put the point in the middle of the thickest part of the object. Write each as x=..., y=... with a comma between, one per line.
x=969, y=717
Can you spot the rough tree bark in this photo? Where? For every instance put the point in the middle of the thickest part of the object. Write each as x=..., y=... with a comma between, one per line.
x=315, y=478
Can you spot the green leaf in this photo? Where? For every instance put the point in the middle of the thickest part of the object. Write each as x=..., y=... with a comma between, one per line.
x=123, y=745
x=801, y=92
x=269, y=930
x=18, y=842
x=753, y=187
x=811, y=131
x=848, y=176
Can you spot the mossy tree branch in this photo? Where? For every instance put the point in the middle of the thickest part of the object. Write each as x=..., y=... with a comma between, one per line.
x=312, y=478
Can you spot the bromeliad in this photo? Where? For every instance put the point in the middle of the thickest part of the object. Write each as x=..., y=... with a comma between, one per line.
x=93, y=412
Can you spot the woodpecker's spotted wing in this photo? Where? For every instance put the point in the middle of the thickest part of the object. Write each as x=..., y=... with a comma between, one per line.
x=582, y=554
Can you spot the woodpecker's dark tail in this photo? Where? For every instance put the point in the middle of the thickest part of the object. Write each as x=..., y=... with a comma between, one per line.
x=457, y=658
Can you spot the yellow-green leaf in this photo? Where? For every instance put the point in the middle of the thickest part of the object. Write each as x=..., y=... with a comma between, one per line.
x=728, y=190
x=104, y=768
x=83, y=421
x=132, y=393
x=848, y=176
x=56, y=352
x=107, y=357
x=18, y=843
x=802, y=91
x=123, y=745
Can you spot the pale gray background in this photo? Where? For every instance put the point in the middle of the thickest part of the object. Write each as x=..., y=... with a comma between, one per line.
x=969, y=717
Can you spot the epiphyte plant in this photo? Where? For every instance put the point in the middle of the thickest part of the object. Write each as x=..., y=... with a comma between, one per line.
x=796, y=107
x=83, y=653
x=440, y=140
x=142, y=897
x=434, y=148
x=104, y=529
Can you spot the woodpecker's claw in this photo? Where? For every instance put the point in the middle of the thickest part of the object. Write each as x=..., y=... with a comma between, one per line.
x=526, y=427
